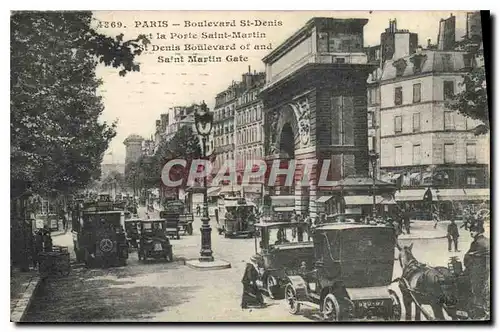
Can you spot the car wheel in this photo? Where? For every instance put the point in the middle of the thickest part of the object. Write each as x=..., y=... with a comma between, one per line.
x=291, y=300
x=272, y=285
x=395, y=313
x=331, y=308
x=89, y=263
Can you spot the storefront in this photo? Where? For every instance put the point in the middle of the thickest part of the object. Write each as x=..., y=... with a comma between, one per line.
x=449, y=202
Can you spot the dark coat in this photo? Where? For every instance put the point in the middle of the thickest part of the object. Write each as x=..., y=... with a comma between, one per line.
x=478, y=254
x=453, y=230
x=477, y=264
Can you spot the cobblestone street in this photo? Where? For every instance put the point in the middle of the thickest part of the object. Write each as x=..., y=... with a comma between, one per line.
x=158, y=291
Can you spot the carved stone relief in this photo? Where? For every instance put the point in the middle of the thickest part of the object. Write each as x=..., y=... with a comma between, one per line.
x=303, y=115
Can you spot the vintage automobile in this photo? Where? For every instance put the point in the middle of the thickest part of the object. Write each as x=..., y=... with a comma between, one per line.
x=175, y=212
x=153, y=240
x=132, y=230
x=239, y=218
x=345, y=217
x=351, y=274
x=282, y=248
x=98, y=230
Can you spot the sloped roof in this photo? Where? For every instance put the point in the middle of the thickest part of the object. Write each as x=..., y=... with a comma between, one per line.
x=432, y=61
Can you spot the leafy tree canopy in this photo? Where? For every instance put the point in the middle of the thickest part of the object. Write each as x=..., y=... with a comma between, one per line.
x=472, y=101
x=57, y=140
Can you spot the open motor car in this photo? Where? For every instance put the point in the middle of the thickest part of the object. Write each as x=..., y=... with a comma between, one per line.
x=280, y=248
x=153, y=241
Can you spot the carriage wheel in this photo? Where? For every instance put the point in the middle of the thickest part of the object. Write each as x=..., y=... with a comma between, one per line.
x=291, y=300
x=271, y=284
x=395, y=314
x=331, y=308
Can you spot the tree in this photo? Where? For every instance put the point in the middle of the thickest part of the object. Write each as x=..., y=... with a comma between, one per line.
x=472, y=101
x=114, y=180
x=57, y=140
x=184, y=145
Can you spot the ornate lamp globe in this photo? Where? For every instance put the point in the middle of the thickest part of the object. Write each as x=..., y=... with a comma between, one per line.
x=203, y=120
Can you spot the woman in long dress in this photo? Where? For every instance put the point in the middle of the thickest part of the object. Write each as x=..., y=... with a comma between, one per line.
x=251, y=292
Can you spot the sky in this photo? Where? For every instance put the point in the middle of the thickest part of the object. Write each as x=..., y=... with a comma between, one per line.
x=138, y=99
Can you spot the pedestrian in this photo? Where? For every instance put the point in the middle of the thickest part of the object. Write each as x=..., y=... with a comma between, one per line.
x=198, y=209
x=452, y=234
x=64, y=221
x=477, y=267
x=252, y=295
x=435, y=216
x=216, y=211
x=406, y=216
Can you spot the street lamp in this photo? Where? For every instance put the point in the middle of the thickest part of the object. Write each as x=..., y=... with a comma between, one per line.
x=203, y=120
x=373, y=156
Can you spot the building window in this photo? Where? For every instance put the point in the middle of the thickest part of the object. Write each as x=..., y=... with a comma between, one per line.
x=449, y=153
x=398, y=124
x=416, y=154
x=448, y=90
x=471, y=152
x=416, y=122
x=469, y=123
x=398, y=96
x=449, y=121
x=398, y=155
x=471, y=180
x=417, y=92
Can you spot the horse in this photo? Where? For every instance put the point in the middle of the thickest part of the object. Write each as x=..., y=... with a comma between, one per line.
x=434, y=286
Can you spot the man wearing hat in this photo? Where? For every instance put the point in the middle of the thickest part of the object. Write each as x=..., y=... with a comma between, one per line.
x=477, y=265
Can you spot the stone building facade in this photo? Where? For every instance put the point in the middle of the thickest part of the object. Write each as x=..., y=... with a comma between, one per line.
x=249, y=129
x=315, y=108
x=423, y=144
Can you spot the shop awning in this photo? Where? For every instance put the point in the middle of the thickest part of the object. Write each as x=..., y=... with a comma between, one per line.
x=368, y=200
x=213, y=191
x=323, y=199
x=284, y=208
x=395, y=177
x=411, y=195
x=474, y=194
x=283, y=200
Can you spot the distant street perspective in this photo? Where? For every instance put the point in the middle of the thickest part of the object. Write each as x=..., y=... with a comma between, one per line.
x=217, y=167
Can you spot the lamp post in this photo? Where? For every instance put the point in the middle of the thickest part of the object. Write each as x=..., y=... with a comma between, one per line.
x=373, y=156
x=203, y=119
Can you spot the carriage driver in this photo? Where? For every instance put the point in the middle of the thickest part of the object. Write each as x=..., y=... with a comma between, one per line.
x=476, y=262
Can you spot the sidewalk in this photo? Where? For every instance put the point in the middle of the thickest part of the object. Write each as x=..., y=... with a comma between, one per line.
x=424, y=229
x=23, y=286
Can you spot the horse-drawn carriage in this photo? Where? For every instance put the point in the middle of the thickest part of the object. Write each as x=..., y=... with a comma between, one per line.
x=351, y=274
x=445, y=289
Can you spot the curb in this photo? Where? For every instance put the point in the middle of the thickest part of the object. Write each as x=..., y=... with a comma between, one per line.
x=217, y=264
x=423, y=238
x=17, y=315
